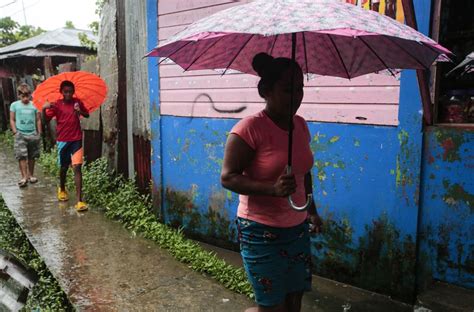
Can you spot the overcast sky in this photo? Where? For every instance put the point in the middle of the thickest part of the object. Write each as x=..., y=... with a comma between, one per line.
x=50, y=14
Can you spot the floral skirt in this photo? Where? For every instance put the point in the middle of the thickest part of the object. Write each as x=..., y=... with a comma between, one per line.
x=277, y=260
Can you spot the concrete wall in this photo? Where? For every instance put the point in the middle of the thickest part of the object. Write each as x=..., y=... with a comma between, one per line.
x=138, y=100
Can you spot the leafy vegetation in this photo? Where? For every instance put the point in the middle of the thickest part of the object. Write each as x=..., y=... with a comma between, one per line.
x=11, y=32
x=94, y=27
x=6, y=138
x=122, y=201
x=69, y=25
x=47, y=295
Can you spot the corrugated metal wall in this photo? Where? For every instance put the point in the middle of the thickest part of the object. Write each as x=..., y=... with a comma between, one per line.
x=137, y=69
x=138, y=101
x=108, y=70
x=91, y=126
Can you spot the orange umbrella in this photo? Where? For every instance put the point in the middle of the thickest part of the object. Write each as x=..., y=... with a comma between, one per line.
x=89, y=88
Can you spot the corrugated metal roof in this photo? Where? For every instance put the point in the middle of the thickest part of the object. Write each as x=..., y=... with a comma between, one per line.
x=37, y=53
x=59, y=37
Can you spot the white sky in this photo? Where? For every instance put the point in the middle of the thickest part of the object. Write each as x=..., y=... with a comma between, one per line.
x=50, y=14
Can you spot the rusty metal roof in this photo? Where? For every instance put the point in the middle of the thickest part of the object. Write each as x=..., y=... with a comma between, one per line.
x=62, y=37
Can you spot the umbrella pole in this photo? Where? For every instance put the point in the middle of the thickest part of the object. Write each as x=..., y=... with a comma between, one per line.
x=292, y=102
x=291, y=126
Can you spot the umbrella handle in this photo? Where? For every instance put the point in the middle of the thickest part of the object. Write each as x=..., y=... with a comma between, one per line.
x=309, y=198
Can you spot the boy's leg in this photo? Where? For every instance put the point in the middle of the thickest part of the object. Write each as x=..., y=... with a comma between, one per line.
x=62, y=178
x=77, y=158
x=21, y=154
x=33, y=154
x=64, y=162
x=23, y=168
x=62, y=193
x=31, y=168
x=78, y=181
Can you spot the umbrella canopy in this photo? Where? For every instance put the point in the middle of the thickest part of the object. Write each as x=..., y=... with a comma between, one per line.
x=467, y=66
x=325, y=37
x=333, y=39
x=89, y=88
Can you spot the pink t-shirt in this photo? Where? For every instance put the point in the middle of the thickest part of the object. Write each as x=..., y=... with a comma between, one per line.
x=270, y=144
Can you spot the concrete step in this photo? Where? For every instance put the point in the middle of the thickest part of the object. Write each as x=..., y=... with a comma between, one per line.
x=447, y=297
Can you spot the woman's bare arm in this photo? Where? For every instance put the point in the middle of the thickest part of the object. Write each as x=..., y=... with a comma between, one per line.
x=237, y=157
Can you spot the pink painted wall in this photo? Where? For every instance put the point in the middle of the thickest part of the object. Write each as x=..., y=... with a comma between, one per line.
x=371, y=99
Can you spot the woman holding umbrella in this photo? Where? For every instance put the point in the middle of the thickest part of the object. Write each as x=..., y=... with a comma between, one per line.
x=274, y=238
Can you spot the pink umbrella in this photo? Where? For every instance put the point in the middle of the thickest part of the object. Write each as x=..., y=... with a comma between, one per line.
x=325, y=37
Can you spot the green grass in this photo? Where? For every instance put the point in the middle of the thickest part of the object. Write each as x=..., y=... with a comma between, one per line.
x=47, y=295
x=121, y=201
x=6, y=138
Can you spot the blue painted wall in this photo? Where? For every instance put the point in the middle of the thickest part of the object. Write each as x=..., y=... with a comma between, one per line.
x=154, y=93
x=192, y=159
x=365, y=181
x=447, y=209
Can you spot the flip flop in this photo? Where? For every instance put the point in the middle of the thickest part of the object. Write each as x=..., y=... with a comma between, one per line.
x=22, y=183
x=33, y=180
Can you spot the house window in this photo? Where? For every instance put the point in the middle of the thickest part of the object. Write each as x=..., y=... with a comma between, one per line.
x=454, y=82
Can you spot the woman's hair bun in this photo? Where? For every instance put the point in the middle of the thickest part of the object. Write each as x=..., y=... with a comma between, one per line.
x=261, y=62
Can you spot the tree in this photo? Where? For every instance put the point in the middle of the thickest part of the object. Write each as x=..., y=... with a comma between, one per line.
x=11, y=32
x=7, y=31
x=70, y=25
x=94, y=26
x=28, y=31
x=99, y=5
x=86, y=42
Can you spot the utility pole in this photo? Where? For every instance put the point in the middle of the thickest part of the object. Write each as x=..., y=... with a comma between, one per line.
x=24, y=12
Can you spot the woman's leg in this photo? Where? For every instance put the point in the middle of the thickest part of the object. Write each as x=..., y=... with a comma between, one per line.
x=293, y=301
x=279, y=308
x=260, y=251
